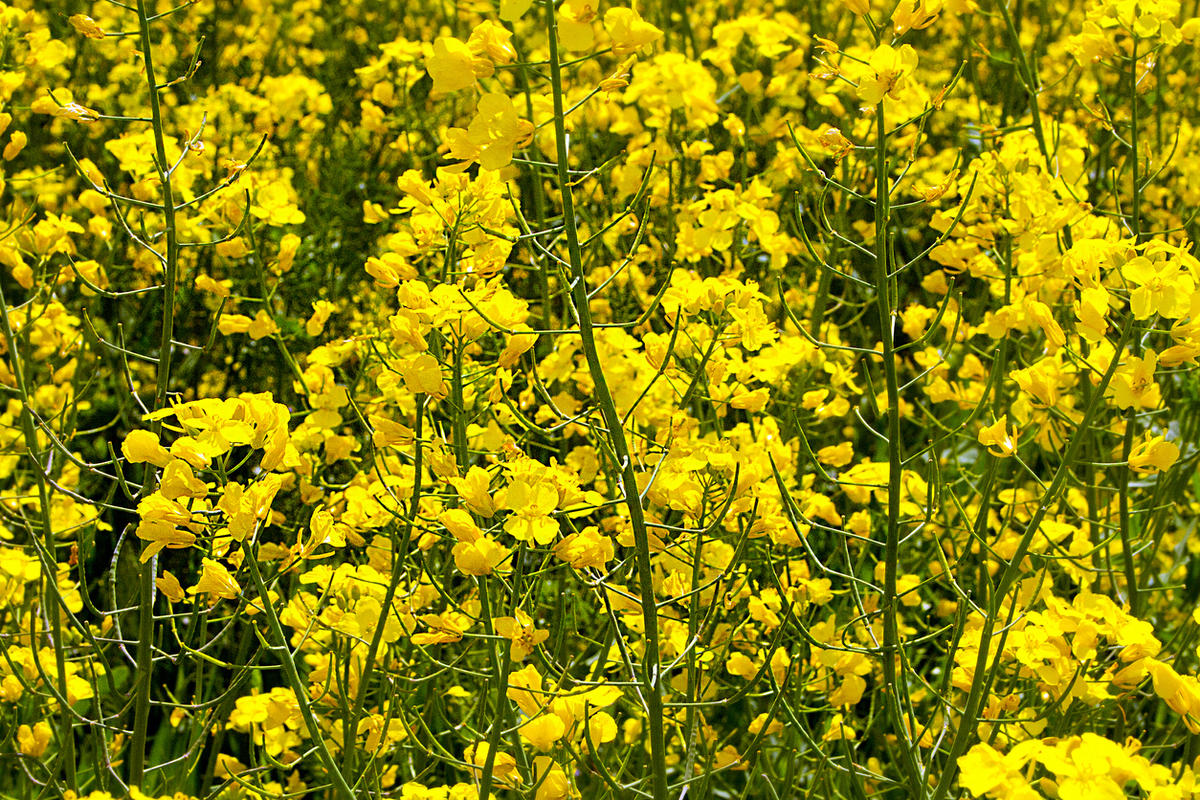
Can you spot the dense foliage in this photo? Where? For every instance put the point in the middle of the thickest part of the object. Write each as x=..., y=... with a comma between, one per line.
x=468, y=400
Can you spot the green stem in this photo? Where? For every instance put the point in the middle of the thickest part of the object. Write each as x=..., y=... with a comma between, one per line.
x=66, y=733
x=1125, y=519
x=501, y=666
x=891, y=627
x=650, y=677
x=460, y=412
x=145, y=653
x=1012, y=569
x=399, y=555
x=297, y=685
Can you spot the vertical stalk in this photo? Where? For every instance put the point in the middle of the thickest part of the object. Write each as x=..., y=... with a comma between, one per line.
x=57, y=607
x=883, y=299
x=399, y=555
x=1124, y=513
x=1012, y=570
x=294, y=681
x=170, y=261
x=650, y=677
x=460, y=412
x=501, y=666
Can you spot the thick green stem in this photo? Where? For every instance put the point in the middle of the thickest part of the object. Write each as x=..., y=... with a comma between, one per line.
x=650, y=677
x=1124, y=512
x=887, y=314
x=170, y=262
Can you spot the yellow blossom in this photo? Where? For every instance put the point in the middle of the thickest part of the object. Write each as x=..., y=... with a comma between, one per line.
x=217, y=581
x=998, y=438
x=521, y=631
x=86, y=26
x=451, y=66
x=492, y=135
x=888, y=69
x=1155, y=454
x=142, y=446
x=629, y=31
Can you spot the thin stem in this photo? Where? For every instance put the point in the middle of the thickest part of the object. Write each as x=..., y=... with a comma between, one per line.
x=650, y=678
x=1012, y=569
x=501, y=670
x=54, y=613
x=399, y=556
x=298, y=686
x=1124, y=513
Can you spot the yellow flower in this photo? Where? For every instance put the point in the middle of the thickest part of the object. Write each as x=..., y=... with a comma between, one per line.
x=1040, y=313
x=245, y=507
x=888, y=68
x=1153, y=455
x=984, y=770
x=588, y=548
x=323, y=530
x=520, y=341
x=86, y=26
x=1092, y=311
x=520, y=629
x=474, y=490
x=1133, y=383
x=422, y=374
x=230, y=324
x=460, y=525
x=532, y=505
x=159, y=534
x=169, y=585
x=493, y=42
x=178, y=480
x=34, y=741
x=525, y=689
x=77, y=112
x=492, y=135
x=504, y=766
x=833, y=140
x=322, y=309
x=389, y=433
x=997, y=438
x=839, y=730
x=915, y=15
x=451, y=66
x=141, y=447
x=543, y=731
x=262, y=326
x=1161, y=287
x=740, y=664
x=629, y=31
x=753, y=401
x=206, y=283
x=602, y=727
x=836, y=455
x=216, y=580
x=552, y=781
x=16, y=144
x=480, y=557
x=513, y=10
x=575, y=25
x=1181, y=693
